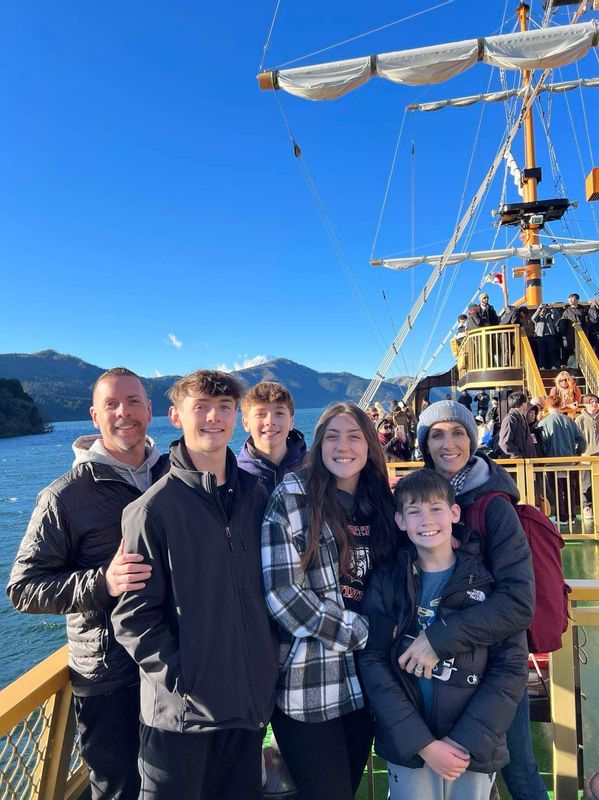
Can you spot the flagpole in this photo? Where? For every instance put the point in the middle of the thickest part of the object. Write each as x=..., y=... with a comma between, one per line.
x=504, y=286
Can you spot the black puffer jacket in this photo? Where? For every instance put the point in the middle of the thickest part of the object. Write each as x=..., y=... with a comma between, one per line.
x=476, y=705
x=200, y=631
x=72, y=537
x=507, y=556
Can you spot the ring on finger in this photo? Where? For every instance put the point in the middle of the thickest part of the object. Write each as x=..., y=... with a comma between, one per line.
x=418, y=670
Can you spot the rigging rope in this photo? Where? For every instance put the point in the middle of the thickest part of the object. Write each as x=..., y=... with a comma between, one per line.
x=388, y=186
x=374, y=384
x=367, y=33
x=331, y=232
x=267, y=42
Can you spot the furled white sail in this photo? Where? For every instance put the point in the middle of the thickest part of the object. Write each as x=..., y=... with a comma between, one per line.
x=498, y=97
x=538, y=49
x=534, y=251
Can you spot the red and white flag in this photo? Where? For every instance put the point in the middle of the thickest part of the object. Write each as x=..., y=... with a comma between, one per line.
x=496, y=277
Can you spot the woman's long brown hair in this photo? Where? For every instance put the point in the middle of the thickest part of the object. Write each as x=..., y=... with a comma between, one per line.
x=373, y=497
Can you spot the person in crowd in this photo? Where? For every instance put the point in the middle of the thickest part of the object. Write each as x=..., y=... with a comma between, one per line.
x=448, y=396
x=373, y=413
x=404, y=420
x=527, y=326
x=484, y=436
x=199, y=630
x=424, y=404
x=324, y=529
x=464, y=399
x=441, y=738
x=593, y=324
x=514, y=436
x=540, y=403
x=532, y=420
x=546, y=337
x=561, y=437
x=461, y=330
x=588, y=422
x=396, y=445
x=566, y=389
x=71, y=562
x=274, y=447
x=572, y=313
x=482, y=402
x=473, y=321
x=381, y=409
x=492, y=414
x=447, y=438
x=488, y=315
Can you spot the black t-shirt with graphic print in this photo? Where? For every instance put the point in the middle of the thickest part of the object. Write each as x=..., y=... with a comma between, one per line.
x=353, y=583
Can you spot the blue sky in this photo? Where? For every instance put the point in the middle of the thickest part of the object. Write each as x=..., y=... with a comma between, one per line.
x=152, y=213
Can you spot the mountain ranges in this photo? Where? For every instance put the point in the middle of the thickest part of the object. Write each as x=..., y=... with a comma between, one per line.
x=60, y=384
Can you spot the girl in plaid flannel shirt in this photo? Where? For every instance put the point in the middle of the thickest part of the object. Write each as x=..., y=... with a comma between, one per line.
x=325, y=528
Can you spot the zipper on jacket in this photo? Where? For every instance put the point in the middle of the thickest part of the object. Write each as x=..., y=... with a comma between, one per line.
x=229, y=537
x=233, y=567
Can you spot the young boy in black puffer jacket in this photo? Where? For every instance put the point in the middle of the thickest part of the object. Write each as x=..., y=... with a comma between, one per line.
x=443, y=734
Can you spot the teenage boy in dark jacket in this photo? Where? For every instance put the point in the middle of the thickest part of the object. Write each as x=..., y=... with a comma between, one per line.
x=199, y=630
x=70, y=562
x=274, y=447
x=451, y=727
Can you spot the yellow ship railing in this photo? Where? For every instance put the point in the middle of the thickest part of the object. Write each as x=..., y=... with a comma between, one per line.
x=555, y=485
x=587, y=360
x=491, y=348
x=532, y=377
x=565, y=693
x=39, y=761
x=38, y=755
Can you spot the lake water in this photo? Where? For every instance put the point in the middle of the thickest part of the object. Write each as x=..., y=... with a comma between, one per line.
x=27, y=464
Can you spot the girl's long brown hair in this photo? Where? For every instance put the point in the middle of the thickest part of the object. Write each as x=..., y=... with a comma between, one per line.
x=374, y=497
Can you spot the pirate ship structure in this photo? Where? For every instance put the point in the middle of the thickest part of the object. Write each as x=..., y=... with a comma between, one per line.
x=38, y=753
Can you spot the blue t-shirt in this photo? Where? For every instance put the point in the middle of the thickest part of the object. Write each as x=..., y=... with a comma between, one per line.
x=432, y=585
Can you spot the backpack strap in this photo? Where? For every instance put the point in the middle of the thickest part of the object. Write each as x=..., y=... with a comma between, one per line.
x=475, y=514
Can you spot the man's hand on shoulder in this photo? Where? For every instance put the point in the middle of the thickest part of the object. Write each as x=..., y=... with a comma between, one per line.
x=127, y=572
x=419, y=658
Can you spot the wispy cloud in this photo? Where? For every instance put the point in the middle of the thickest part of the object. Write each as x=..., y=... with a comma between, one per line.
x=174, y=341
x=245, y=364
x=158, y=374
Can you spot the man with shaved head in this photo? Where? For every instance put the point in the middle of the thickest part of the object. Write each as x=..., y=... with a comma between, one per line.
x=71, y=561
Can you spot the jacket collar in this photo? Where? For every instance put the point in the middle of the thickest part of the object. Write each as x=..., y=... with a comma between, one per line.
x=182, y=467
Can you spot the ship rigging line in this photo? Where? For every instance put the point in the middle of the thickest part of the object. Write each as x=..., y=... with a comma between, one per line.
x=331, y=232
x=385, y=364
x=366, y=33
x=267, y=42
x=475, y=217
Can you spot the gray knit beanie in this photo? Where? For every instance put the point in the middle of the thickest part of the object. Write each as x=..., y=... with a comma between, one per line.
x=446, y=411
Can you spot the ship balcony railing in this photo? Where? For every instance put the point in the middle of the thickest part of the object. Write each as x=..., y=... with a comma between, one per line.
x=587, y=360
x=565, y=489
x=39, y=759
x=491, y=356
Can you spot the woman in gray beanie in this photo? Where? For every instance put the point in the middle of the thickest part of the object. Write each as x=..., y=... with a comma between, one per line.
x=448, y=440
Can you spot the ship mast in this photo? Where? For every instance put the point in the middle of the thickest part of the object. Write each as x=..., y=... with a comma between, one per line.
x=531, y=176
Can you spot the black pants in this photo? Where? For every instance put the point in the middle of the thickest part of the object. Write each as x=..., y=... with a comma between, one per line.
x=109, y=728
x=548, y=351
x=326, y=759
x=216, y=765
